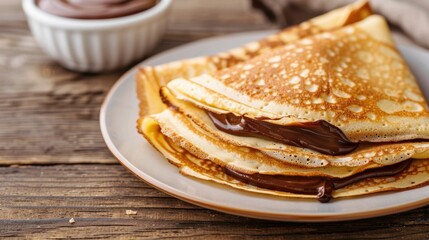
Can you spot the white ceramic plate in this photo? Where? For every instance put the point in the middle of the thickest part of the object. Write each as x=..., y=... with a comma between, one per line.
x=118, y=120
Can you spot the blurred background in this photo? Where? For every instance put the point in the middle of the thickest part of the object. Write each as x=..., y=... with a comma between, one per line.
x=44, y=101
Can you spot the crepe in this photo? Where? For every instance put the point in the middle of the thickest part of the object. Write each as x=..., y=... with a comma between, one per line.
x=197, y=125
x=150, y=79
x=416, y=175
x=332, y=98
x=354, y=78
x=328, y=85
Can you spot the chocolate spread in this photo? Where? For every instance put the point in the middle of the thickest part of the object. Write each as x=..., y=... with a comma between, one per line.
x=95, y=9
x=320, y=186
x=320, y=135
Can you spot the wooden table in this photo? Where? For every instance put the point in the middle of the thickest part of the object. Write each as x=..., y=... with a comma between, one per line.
x=54, y=164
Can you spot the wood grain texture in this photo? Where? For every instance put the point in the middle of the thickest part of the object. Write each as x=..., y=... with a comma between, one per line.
x=55, y=166
x=40, y=200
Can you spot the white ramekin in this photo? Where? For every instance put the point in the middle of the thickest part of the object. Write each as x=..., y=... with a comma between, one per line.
x=97, y=45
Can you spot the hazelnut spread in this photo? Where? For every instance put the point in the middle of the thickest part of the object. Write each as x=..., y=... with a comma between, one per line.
x=95, y=9
x=320, y=186
x=319, y=135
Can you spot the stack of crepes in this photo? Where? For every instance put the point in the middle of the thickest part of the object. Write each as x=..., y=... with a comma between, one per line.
x=325, y=109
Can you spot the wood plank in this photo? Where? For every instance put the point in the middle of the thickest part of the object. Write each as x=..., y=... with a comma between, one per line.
x=40, y=200
x=50, y=115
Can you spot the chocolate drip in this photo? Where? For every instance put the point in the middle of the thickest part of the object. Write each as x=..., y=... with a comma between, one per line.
x=95, y=9
x=320, y=186
x=320, y=135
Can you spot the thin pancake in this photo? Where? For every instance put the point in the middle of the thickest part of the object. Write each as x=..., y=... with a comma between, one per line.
x=150, y=79
x=366, y=156
x=264, y=86
x=187, y=135
x=416, y=175
x=353, y=78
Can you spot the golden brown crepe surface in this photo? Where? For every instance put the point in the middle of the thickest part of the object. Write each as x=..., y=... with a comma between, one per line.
x=197, y=162
x=150, y=79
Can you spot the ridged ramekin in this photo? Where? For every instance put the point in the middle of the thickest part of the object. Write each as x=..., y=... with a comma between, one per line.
x=97, y=45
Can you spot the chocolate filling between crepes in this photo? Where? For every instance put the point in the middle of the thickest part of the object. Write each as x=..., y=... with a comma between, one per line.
x=321, y=186
x=319, y=136
x=330, y=139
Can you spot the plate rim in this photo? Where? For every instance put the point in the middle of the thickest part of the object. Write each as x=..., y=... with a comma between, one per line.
x=295, y=217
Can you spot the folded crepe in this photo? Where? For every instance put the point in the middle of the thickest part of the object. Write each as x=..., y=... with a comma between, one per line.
x=332, y=114
x=150, y=79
